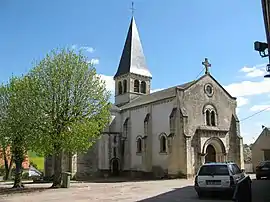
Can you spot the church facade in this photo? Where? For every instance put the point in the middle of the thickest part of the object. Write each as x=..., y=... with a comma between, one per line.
x=171, y=132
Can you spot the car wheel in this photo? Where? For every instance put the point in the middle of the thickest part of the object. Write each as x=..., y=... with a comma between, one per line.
x=258, y=177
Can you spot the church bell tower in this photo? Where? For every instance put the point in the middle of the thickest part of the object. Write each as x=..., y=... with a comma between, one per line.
x=132, y=78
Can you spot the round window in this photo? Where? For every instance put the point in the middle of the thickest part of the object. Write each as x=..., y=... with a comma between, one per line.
x=209, y=89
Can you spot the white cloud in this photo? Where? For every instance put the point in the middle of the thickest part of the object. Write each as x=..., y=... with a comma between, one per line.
x=241, y=101
x=249, y=88
x=87, y=49
x=93, y=61
x=248, y=138
x=109, y=82
x=247, y=69
x=257, y=108
x=256, y=71
x=74, y=47
x=84, y=48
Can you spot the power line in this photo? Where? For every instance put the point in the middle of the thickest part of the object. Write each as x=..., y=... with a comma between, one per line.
x=248, y=117
x=199, y=73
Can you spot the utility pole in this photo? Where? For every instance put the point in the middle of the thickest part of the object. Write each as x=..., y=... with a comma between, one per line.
x=261, y=47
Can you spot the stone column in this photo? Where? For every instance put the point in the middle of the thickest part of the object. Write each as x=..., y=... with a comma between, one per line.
x=219, y=157
x=202, y=155
x=48, y=168
x=189, y=171
x=225, y=157
x=73, y=165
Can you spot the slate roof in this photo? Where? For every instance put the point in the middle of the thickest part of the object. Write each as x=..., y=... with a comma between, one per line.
x=156, y=96
x=133, y=59
x=166, y=93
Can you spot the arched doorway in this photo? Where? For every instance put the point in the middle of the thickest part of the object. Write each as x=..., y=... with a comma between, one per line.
x=115, y=167
x=210, y=154
x=213, y=150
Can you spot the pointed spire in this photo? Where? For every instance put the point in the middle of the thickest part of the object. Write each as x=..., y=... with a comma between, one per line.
x=132, y=59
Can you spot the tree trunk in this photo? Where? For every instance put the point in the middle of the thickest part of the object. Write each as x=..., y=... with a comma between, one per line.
x=57, y=179
x=18, y=174
x=18, y=155
x=8, y=174
x=6, y=162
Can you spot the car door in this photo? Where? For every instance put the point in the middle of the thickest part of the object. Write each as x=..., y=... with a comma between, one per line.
x=237, y=173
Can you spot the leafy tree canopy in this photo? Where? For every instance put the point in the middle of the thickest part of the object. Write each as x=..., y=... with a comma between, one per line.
x=71, y=102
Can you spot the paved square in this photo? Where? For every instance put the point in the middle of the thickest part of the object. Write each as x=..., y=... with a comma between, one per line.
x=147, y=191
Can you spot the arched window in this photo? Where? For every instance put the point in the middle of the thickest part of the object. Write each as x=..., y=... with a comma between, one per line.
x=143, y=87
x=172, y=120
x=207, y=117
x=210, y=114
x=125, y=86
x=139, y=145
x=125, y=128
x=120, y=88
x=114, y=139
x=136, y=86
x=146, y=124
x=163, y=143
x=213, y=118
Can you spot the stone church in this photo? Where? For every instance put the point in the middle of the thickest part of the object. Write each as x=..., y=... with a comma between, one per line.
x=171, y=132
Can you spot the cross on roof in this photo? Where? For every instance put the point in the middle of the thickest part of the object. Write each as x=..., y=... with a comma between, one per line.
x=132, y=8
x=206, y=64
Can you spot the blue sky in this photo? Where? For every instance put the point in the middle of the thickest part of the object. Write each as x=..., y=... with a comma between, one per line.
x=176, y=36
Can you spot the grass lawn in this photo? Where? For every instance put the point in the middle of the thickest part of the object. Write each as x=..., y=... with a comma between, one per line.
x=36, y=159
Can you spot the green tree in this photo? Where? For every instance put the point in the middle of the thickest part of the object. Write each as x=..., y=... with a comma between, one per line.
x=72, y=103
x=20, y=116
x=247, y=153
x=16, y=121
x=4, y=140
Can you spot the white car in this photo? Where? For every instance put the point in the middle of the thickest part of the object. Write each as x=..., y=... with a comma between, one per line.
x=217, y=177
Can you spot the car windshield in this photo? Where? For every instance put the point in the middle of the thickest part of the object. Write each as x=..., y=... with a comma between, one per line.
x=265, y=163
x=214, y=170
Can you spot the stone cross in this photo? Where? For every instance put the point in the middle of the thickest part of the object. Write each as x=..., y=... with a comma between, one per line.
x=132, y=8
x=206, y=64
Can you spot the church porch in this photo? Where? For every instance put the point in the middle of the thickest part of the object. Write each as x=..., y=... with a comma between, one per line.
x=209, y=145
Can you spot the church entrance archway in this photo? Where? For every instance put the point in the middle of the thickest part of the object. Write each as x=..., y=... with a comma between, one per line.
x=115, y=167
x=213, y=151
x=210, y=154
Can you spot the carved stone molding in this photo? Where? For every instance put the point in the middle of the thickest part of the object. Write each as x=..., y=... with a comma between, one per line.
x=202, y=154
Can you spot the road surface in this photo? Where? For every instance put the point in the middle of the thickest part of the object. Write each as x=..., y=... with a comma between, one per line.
x=146, y=191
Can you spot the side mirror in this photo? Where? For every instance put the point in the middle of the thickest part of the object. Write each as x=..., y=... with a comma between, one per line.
x=242, y=170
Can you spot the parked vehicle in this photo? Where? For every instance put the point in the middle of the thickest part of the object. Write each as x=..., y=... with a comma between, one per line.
x=217, y=177
x=35, y=174
x=263, y=170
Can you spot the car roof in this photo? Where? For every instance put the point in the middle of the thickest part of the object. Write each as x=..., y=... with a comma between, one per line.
x=218, y=163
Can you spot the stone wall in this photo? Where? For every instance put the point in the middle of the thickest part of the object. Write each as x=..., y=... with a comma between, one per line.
x=87, y=164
